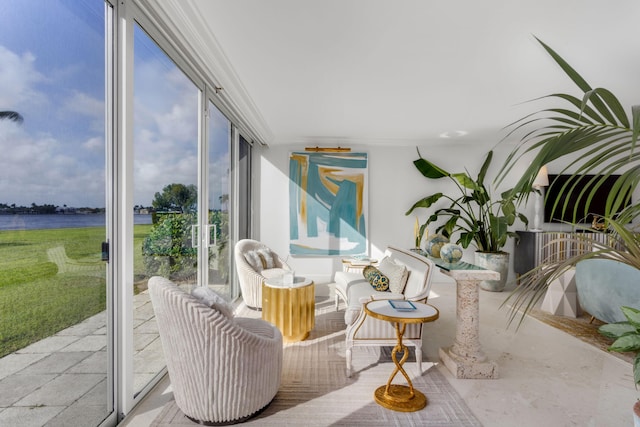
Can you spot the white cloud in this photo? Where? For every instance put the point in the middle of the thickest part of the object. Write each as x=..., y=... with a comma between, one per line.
x=166, y=130
x=81, y=104
x=18, y=77
x=35, y=170
x=95, y=144
x=47, y=167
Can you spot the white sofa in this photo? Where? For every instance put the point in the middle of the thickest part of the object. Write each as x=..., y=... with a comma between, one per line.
x=354, y=290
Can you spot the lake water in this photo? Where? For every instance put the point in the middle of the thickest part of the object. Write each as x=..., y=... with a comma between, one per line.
x=36, y=222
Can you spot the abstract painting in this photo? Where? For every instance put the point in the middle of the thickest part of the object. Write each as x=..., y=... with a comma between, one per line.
x=328, y=203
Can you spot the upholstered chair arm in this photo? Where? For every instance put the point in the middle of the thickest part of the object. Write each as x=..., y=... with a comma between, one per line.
x=380, y=295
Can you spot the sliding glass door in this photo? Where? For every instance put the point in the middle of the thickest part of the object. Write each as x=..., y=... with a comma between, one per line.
x=55, y=320
x=220, y=248
x=78, y=189
x=166, y=122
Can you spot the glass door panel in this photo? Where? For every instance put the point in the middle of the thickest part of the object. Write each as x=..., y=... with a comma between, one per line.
x=220, y=246
x=165, y=191
x=243, y=192
x=55, y=334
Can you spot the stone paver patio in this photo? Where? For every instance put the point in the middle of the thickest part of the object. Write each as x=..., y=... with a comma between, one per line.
x=61, y=380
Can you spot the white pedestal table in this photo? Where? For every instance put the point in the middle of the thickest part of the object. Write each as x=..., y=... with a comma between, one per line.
x=465, y=358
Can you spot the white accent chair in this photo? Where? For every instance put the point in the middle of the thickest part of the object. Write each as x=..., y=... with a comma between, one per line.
x=223, y=369
x=251, y=276
x=355, y=290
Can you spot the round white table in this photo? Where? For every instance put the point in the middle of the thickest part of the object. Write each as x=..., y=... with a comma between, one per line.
x=398, y=397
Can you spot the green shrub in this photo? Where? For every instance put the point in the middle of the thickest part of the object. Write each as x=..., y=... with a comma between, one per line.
x=167, y=250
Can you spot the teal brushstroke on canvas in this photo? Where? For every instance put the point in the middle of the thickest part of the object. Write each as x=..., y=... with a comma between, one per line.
x=295, y=173
x=327, y=204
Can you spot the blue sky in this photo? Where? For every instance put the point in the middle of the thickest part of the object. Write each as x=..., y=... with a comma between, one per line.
x=52, y=72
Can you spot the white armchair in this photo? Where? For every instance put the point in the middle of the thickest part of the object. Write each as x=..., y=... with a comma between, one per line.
x=255, y=262
x=222, y=369
x=354, y=290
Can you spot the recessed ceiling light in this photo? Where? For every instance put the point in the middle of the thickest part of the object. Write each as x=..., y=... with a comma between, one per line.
x=453, y=134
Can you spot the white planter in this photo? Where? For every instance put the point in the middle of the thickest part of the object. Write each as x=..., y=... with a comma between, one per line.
x=497, y=262
x=636, y=414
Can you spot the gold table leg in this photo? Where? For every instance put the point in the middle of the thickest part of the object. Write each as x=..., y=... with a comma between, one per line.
x=403, y=398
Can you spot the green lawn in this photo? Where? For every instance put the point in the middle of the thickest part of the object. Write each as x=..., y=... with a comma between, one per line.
x=37, y=301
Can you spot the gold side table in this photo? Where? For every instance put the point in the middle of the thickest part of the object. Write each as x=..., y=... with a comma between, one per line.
x=403, y=398
x=290, y=306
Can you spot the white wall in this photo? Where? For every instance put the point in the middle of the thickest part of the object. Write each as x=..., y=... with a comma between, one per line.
x=394, y=186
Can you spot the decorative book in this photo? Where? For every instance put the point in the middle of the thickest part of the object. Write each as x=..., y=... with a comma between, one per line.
x=402, y=305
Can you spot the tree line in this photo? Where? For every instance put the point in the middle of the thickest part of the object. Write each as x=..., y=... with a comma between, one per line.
x=13, y=209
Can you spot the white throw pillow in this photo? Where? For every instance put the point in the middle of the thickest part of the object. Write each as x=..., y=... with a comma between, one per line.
x=267, y=258
x=211, y=298
x=260, y=259
x=254, y=260
x=396, y=272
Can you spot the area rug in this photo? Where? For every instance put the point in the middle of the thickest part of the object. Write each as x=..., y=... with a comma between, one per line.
x=316, y=392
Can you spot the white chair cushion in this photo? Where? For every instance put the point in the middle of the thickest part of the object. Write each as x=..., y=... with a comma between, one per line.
x=272, y=273
x=212, y=299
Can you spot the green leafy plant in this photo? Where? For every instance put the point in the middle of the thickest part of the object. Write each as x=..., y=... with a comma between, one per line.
x=473, y=213
x=626, y=336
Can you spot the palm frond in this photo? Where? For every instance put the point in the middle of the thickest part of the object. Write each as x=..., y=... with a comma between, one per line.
x=594, y=133
x=11, y=115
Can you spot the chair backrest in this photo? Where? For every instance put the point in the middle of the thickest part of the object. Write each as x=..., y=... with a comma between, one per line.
x=420, y=272
x=188, y=330
x=246, y=245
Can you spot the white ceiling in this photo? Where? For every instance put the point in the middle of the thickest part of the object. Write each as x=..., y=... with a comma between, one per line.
x=414, y=71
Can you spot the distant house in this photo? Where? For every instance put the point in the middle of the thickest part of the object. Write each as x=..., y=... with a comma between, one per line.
x=65, y=210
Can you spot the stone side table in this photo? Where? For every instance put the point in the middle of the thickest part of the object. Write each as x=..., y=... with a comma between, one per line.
x=465, y=358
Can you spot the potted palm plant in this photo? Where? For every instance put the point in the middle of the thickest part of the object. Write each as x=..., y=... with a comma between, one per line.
x=474, y=214
x=590, y=133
